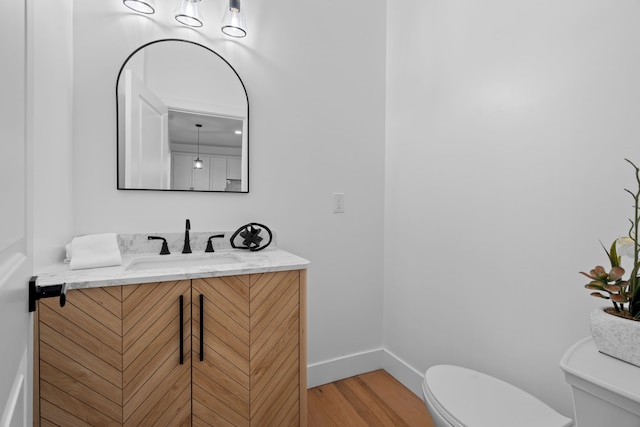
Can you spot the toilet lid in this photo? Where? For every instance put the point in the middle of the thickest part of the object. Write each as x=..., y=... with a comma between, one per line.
x=465, y=397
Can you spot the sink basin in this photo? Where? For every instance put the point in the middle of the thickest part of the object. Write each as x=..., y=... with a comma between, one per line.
x=160, y=262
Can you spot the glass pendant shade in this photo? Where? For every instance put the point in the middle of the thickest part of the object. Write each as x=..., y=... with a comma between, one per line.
x=197, y=163
x=143, y=6
x=233, y=23
x=188, y=13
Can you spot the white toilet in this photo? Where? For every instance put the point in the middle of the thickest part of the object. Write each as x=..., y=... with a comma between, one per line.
x=461, y=397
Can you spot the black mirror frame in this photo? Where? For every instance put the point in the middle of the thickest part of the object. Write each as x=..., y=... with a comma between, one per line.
x=118, y=121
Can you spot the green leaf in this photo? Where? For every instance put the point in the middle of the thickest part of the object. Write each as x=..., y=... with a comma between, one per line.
x=634, y=307
x=594, y=285
x=613, y=255
x=633, y=278
x=599, y=295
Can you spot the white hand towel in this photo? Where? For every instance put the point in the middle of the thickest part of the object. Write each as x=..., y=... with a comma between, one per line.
x=95, y=250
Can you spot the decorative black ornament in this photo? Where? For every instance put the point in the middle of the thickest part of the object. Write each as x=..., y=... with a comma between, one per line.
x=250, y=233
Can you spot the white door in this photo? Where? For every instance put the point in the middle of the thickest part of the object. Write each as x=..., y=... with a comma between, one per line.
x=147, y=154
x=218, y=174
x=182, y=165
x=15, y=263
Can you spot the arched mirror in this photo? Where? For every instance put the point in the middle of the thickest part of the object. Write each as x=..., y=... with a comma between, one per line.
x=183, y=120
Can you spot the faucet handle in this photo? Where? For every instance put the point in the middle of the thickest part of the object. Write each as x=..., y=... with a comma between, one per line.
x=165, y=247
x=210, y=244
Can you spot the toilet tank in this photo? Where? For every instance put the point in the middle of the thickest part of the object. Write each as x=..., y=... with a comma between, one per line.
x=606, y=391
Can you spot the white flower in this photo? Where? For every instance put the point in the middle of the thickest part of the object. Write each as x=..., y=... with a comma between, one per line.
x=625, y=246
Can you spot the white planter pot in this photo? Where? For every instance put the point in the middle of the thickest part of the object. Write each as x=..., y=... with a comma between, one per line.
x=616, y=336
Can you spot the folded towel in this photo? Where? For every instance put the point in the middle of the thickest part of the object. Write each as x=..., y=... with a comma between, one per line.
x=67, y=252
x=94, y=250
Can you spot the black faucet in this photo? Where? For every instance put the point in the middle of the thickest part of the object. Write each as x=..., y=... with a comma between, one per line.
x=187, y=245
x=165, y=248
x=210, y=244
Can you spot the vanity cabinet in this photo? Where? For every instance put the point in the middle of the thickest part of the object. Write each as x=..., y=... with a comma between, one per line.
x=112, y=355
x=234, y=168
x=213, y=176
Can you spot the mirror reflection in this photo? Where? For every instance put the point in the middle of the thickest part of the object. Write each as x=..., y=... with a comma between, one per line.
x=183, y=120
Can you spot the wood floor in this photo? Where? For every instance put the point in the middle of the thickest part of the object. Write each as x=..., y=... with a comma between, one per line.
x=374, y=399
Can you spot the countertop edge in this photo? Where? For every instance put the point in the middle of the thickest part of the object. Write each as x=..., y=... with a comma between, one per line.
x=269, y=260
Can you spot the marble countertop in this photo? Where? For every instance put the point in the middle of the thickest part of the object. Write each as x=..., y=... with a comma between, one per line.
x=226, y=262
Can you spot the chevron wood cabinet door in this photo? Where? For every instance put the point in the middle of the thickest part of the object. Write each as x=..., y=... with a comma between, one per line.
x=156, y=368
x=220, y=357
x=250, y=367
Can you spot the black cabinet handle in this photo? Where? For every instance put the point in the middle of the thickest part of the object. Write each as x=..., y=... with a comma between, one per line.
x=181, y=330
x=201, y=327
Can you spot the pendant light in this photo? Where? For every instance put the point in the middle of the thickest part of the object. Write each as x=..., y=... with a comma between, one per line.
x=233, y=23
x=197, y=163
x=188, y=13
x=143, y=6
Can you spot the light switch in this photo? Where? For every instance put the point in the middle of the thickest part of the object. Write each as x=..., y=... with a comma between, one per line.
x=338, y=202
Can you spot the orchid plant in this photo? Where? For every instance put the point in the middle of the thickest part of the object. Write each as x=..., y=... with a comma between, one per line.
x=611, y=284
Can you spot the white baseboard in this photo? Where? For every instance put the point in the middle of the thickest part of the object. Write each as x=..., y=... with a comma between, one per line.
x=343, y=367
x=360, y=363
x=410, y=377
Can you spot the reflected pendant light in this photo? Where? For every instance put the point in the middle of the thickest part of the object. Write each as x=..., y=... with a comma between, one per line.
x=143, y=6
x=197, y=163
x=233, y=23
x=188, y=13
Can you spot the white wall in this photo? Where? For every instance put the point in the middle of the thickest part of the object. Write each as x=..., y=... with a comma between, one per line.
x=51, y=103
x=507, y=126
x=316, y=93
x=182, y=72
